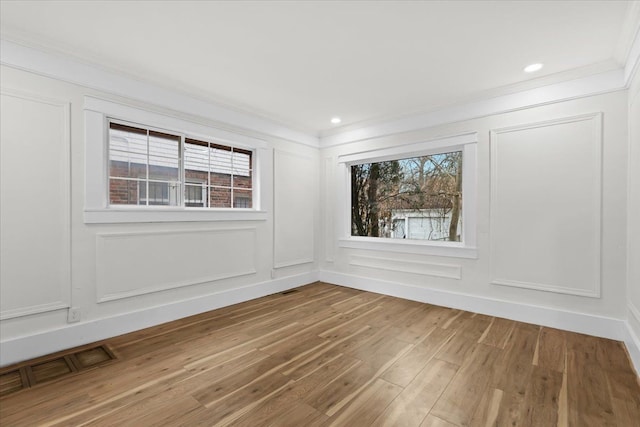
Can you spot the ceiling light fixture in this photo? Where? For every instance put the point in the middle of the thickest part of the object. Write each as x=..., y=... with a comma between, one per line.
x=533, y=68
x=336, y=120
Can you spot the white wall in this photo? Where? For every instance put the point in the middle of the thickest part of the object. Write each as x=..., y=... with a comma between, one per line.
x=578, y=278
x=122, y=277
x=633, y=216
x=561, y=167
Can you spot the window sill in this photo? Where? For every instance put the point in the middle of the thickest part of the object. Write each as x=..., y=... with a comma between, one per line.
x=129, y=215
x=452, y=250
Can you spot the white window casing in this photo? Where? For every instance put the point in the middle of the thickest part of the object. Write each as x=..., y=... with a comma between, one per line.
x=97, y=114
x=466, y=248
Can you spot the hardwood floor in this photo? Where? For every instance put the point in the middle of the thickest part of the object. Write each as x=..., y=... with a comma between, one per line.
x=327, y=355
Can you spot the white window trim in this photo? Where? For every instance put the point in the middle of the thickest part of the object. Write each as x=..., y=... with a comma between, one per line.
x=98, y=111
x=467, y=143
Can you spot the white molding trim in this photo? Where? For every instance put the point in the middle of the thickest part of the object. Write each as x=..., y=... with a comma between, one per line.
x=596, y=227
x=103, y=296
x=34, y=309
x=328, y=201
x=406, y=246
x=149, y=215
x=293, y=263
x=448, y=271
x=584, y=323
x=97, y=111
x=65, y=68
x=634, y=311
x=65, y=165
x=467, y=143
x=632, y=338
x=421, y=148
x=30, y=346
x=596, y=84
x=633, y=55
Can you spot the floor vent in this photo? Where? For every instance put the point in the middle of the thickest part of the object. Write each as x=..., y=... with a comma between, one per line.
x=49, y=368
x=290, y=291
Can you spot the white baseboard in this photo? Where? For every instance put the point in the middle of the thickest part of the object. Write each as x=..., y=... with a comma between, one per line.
x=632, y=338
x=31, y=346
x=599, y=326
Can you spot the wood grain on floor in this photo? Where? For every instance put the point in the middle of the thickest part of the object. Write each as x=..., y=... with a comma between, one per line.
x=332, y=356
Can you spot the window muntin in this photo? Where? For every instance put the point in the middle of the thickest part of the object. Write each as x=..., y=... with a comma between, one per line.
x=176, y=171
x=417, y=198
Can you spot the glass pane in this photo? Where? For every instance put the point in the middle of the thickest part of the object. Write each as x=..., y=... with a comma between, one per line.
x=220, y=197
x=125, y=192
x=126, y=165
x=160, y=194
x=240, y=181
x=414, y=198
x=241, y=162
x=220, y=159
x=196, y=161
x=242, y=199
x=220, y=179
x=127, y=151
x=164, y=156
x=195, y=196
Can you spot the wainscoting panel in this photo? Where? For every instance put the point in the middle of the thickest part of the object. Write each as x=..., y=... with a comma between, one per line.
x=294, y=206
x=130, y=264
x=449, y=271
x=35, y=262
x=546, y=205
x=329, y=200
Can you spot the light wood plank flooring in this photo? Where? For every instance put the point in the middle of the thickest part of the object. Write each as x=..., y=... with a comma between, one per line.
x=328, y=355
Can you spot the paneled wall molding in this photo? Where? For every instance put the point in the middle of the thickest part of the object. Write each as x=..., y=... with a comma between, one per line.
x=59, y=189
x=329, y=201
x=565, y=209
x=449, y=271
x=293, y=263
x=46, y=62
x=294, y=209
x=114, y=265
x=30, y=346
x=34, y=309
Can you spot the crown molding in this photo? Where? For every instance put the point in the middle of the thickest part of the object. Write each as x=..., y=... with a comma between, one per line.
x=53, y=64
x=578, y=88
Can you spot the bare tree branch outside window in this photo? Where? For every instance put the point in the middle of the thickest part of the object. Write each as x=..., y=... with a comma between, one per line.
x=414, y=198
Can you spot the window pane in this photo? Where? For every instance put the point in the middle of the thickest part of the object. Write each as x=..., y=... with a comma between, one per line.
x=414, y=198
x=196, y=161
x=127, y=151
x=242, y=199
x=220, y=159
x=164, y=156
x=160, y=193
x=241, y=162
x=220, y=197
x=240, y=181
x=124, y=192
x=195, y=195
x=220, y=179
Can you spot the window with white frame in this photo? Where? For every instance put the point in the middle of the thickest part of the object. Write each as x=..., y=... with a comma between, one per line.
x=409, y=198
x=149, y=167
x=418, y=197
x=143, y=165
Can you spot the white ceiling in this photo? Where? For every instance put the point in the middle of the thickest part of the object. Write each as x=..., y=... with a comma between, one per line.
x=302, y=63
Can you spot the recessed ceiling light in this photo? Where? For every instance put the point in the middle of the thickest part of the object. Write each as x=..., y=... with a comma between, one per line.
x=336, y=120
x=533, y=68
